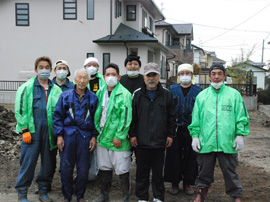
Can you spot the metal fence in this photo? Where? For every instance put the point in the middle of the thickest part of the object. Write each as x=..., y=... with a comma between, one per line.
x=244, y=89
x=10, y=85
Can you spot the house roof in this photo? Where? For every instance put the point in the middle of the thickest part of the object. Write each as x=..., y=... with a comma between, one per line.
x=218, y=60
x=258, y=65
x=183, y=28
x=126, y=34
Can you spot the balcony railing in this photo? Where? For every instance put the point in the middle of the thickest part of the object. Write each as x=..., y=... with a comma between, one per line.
x=10, y=85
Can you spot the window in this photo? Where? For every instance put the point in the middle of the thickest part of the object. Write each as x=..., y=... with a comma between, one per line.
x=131, y=12
x=89, y=55
x=118, y=8
x=22, y=14
x=163, y=68
x=70, y=9
x=106, y=60
x=90, y=9
x=175, y=41
x=188, y=44
x=150, y=23
x=144, y=19
x=168, y=39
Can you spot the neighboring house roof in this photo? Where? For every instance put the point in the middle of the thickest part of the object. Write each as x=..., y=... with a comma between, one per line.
x=178, y=29
x=183, y=28
x=218, y=60
x=258, y=65
x=126, y=34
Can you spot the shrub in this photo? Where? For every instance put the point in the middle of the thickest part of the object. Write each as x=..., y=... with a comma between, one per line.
x=264, y=96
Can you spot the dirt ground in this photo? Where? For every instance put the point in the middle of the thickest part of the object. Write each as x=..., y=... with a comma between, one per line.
x=254, y=171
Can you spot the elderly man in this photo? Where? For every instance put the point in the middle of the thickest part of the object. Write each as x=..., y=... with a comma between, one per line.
x=219, y=122
x=133, y=79
x=152, y=130
x=112, y=120
x=181, y=160
x=76, y=134
x=34, y=107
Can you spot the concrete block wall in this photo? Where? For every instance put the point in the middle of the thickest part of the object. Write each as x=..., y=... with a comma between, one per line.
x=7, y=97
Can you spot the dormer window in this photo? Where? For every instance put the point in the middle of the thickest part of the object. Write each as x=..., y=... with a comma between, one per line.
x=131, y=12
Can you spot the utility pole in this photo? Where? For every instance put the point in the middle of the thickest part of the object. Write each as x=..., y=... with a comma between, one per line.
x=262, y=50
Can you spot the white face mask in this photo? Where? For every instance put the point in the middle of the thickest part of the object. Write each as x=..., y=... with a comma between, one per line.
x=111, y=81
x=185, y=79
x=133, y=73
x=61, y=74
x=217, y=85
x=91, y=70
x=44, y=74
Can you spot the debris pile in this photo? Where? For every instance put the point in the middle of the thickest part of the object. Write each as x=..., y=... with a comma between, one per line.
x=10, y=141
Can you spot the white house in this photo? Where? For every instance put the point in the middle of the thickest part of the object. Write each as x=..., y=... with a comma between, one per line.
x=72, y=30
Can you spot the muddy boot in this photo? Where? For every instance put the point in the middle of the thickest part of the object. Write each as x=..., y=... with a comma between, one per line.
x=22, y=196
x=124, y=182
x=105, y=186
x=202, y=193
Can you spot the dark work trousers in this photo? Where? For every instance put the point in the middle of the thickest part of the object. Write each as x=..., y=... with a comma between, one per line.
x=147, y=160
x=227, y=163
x=181, y=160
x=75, y=152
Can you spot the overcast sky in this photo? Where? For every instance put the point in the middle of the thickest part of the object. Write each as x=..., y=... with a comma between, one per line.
x=224, y=26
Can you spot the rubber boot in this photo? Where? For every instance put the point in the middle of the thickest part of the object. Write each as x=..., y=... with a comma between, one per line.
x=105, y=186
x=202, y=193
x=22, y=196
x=124, y=182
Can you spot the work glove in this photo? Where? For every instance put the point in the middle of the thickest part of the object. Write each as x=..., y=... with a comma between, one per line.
x=196, y=144
x=238, y=143
x=26, y=136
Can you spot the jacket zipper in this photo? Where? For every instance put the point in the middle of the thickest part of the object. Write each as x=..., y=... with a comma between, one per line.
x=217, y=120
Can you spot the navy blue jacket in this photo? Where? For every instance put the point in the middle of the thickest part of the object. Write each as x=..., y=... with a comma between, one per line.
x=66, y=86
x=184, y=104
x=72, y=117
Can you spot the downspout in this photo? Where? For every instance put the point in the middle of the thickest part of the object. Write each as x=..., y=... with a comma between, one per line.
x=111, y=18
x=126, y=47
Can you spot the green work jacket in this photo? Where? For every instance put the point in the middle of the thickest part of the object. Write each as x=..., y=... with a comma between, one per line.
x=119, y=116
x=217, y=119
x=24, y=108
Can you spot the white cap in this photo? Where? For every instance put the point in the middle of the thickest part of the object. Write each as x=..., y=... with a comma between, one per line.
x=60, y=62
x=185, y=67
x=90, y=59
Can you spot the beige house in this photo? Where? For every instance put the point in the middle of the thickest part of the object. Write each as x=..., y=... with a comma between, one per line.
x=73, y=30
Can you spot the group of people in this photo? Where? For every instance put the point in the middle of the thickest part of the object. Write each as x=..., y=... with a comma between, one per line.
x=97, y=121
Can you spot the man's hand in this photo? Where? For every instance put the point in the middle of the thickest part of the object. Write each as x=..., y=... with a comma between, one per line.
x=196, y=144
x=133, y=141
x=116, y=143
x=92, y=144
x=60, y=143
x=26, y=136
x=169, y=142
x=238, y=143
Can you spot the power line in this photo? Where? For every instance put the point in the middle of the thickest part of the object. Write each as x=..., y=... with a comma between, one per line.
x=236, y=25
x=214, y=27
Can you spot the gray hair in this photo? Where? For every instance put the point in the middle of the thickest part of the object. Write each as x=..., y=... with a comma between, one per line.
x=81, y=70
